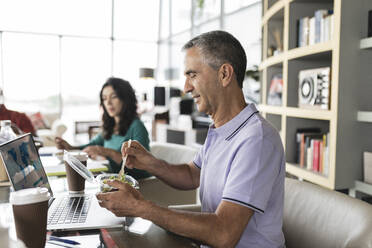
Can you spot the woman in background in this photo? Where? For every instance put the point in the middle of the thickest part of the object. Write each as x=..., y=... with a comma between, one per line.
x=120, y=123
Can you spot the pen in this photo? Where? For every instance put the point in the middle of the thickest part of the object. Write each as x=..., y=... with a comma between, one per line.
x=57, y=243
x=67, y=241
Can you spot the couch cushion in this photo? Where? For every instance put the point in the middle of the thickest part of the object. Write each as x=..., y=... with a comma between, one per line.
x=319, y=217
x=38, y=121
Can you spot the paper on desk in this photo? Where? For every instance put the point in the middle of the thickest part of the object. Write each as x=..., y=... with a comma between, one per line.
x=86, y=241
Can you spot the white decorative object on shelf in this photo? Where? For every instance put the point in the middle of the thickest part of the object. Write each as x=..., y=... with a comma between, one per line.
x=365, y=116
x=366, y=43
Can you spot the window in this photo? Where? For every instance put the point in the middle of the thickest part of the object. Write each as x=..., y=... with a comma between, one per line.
x=136, y=21
x=30, y=63
x=86, y=64
x=68, y=17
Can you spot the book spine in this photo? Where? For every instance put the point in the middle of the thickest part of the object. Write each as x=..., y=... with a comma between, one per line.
x=302, y=151
x=300, y=32
x=321, y=154
x=309, y=164
x=306, y=28
x=326, y=155
x=316, y=144
x=318, y=23
x=312, y=31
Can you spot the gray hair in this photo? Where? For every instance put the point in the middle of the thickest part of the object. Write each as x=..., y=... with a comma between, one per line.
x=219, y=47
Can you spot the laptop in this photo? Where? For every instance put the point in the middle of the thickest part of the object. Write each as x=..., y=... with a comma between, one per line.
x=66, y=212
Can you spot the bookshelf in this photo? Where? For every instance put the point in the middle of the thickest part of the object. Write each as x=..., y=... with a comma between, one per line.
x=349, y=56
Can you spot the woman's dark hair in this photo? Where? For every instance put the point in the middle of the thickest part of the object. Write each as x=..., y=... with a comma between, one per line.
x=128, y=113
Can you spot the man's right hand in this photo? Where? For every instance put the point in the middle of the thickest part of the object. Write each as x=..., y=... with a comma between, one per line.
x=138, y=156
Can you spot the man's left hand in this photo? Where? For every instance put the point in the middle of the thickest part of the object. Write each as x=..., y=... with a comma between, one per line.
x=126, y=201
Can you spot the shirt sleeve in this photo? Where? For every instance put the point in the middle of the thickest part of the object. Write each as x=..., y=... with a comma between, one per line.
x=96, y=141
x=198, y=159
x=253, y=172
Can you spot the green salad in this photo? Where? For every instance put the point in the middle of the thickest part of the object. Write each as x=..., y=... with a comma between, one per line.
x=122, y=178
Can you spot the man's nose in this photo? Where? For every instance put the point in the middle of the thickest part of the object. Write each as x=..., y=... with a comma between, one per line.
x=188, y=88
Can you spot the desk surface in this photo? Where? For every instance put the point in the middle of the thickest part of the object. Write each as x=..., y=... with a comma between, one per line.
x=54, y=167
x=155, y=237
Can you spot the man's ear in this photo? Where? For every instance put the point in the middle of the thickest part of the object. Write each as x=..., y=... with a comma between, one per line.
x=226, y=74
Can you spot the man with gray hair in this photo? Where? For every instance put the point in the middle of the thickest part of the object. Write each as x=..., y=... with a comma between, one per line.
x=240, y=168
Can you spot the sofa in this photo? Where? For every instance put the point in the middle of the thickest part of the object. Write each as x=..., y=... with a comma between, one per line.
x=155, y=190
x=317, y=217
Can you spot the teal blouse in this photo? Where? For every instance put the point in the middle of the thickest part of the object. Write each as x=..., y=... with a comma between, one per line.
x=137, y=131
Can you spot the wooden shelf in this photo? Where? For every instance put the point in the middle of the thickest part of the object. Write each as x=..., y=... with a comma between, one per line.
x=363, y=187
x=300, y=52
x=271, y=109
x=366, y=43
x=308, y=113
x=296, y=112
x=273, y=10
x=4, y=184
x=365, y=116
x=308, y=175
x=273, y=60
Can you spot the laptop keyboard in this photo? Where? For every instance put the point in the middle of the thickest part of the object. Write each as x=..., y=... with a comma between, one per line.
x=70, y=210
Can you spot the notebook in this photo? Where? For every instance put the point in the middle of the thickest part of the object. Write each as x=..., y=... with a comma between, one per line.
x=66, y=212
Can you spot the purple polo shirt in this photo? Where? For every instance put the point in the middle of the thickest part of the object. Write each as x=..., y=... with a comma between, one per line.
x=243, y=162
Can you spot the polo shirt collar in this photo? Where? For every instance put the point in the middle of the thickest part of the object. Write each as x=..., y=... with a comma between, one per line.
x=233, y=126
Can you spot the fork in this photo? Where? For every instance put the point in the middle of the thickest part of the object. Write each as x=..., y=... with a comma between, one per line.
x=121, y=172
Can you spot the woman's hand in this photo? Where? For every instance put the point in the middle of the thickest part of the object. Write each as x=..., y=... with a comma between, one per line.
x=95, y=151
x=138, y=156
x=62, y=144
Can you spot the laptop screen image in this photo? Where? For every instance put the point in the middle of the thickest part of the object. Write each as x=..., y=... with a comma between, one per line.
x=23, y=164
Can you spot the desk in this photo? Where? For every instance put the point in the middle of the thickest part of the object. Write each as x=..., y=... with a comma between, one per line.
x=155, y=237
x=54, y=167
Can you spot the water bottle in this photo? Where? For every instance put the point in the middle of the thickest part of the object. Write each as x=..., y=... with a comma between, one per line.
x=6, y=131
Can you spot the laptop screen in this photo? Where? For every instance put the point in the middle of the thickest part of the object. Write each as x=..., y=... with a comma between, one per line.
x=22, y=163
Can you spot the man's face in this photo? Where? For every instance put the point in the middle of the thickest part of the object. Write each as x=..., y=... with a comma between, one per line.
x=201, y=81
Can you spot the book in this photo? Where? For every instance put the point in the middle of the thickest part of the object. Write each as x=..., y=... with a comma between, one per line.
x=312, y=31
x=321, y=153
x=309, y=148
x=316, y=154
x=300, y=142
x=303, y=32
x=309, y=155
x=319, y=15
